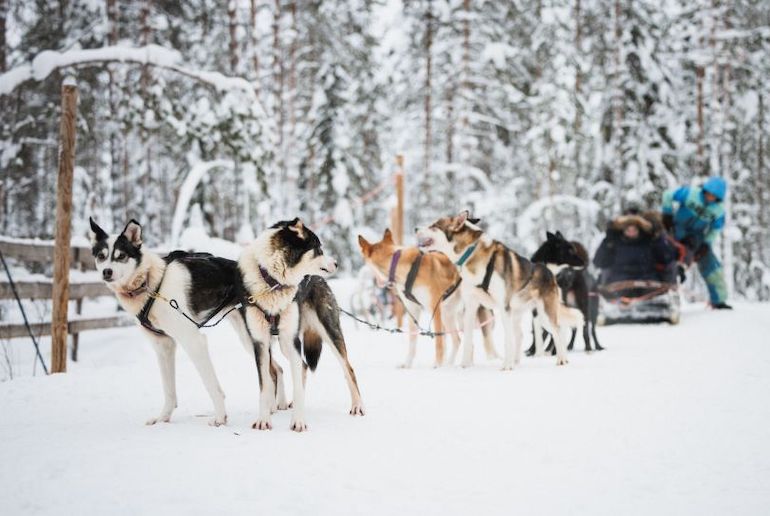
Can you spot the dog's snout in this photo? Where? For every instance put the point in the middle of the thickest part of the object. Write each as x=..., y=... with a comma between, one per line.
x=335, y=263
x=107, y=274
x=416, y=229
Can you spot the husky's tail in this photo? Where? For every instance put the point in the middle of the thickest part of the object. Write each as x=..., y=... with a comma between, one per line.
x=311, y=343
x=571, y=317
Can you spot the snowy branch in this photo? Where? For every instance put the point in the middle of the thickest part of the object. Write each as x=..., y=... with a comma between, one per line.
x=46, y=62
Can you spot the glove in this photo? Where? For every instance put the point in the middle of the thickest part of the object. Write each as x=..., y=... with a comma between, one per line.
x=680, y=272
x=668, y=221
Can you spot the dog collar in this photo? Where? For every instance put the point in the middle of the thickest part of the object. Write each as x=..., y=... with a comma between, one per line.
x=467, y=254
x=393, y=264
x=133, y=293
x=273, y=283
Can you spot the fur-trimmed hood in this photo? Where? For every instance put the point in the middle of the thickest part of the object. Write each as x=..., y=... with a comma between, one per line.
x=622, y=222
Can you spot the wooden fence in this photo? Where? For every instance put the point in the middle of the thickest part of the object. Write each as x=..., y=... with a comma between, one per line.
x=42, y=252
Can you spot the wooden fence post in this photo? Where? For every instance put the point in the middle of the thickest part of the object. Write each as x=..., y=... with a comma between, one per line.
x=398, y=227
x=61, y=254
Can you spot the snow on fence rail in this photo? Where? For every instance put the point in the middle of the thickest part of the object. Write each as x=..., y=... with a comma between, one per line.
x=41, y=251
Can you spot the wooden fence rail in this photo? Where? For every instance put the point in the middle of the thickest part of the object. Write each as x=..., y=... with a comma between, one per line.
x=41, y=252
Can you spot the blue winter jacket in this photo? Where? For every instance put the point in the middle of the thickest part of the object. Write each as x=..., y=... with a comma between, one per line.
x=695, y=219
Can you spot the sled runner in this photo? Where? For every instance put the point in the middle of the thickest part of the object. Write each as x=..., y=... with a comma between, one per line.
x=639, y=301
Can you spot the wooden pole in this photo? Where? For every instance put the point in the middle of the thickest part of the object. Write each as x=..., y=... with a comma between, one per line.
x=61, y=254
x=398, y=229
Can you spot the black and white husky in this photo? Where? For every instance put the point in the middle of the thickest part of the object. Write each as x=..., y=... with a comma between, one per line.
x=285, y=297
x=200, y=285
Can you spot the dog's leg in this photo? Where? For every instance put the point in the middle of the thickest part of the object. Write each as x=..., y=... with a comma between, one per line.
x=356, y=404
x=593, y=306
x=551, y=306
x=538, y=320
x=196, y=345
x=469, y=320
x=533, y=348
x=572, y=339
x=276, y=372
x=451, y=327
x=239, y=324
x=518, y=337
x=292, y=353
x=415, y=311
x=483, y=316
x=438, y=327
x=508, y=330
x=266, y=388
x=165, y=349
x=597, y=346
x=333, y=334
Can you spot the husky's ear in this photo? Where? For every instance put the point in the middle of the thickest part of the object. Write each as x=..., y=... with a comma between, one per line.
x=133, y=232
x=387, y=236
x=560, y=236
x=366, y=247
x=96, y=234
x=549, y=236
x=459, y=221
x=297, y=226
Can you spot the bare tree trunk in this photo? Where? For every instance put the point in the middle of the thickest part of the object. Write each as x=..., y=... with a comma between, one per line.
x=114, y=134
x=232, y=26
x=760, y=181
x=146, y=77
x=699, y=153
x=578, y=123
x=254, y=43
x=278, y=80
x=3, y=19
x=234, y=210
x=428, y=108
x=3, y=103
x=617, y=110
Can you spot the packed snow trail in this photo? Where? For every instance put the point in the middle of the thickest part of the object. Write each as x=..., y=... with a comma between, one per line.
x=668, y=420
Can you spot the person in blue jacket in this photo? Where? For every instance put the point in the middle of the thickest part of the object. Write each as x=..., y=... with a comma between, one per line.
x=695, y=216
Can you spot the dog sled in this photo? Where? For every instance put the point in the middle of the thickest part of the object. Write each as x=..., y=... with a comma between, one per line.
x=639, y=301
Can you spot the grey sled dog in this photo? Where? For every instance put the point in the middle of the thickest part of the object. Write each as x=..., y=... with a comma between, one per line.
x=201, y=284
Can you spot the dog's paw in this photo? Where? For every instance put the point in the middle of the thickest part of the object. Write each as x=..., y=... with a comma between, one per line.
x=218, y=421
x=507, y=367
x=262, y=424
x=562, y=361
x=163, y=418
x=357, y=409
x=599, y=348
x=298, y=425
x=405, y=365
x=466, y=363
x=283, y=406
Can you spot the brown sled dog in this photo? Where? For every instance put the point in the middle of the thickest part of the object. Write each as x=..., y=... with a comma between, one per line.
x=424, y=281
x=496, y=277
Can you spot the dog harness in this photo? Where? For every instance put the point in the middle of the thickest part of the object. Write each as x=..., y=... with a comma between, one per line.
x=144, y=313
x=411, y=276
x=467, y=254
x=272, y=319
x=274, y=285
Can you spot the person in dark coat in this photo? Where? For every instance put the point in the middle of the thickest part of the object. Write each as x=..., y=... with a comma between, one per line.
x=632, y=250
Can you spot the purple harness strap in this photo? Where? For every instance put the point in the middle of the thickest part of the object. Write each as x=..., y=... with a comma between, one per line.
x=271, y=281
x=393, y=264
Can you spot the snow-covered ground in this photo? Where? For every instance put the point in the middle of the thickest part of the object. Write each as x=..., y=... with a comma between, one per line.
x=668, y=420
